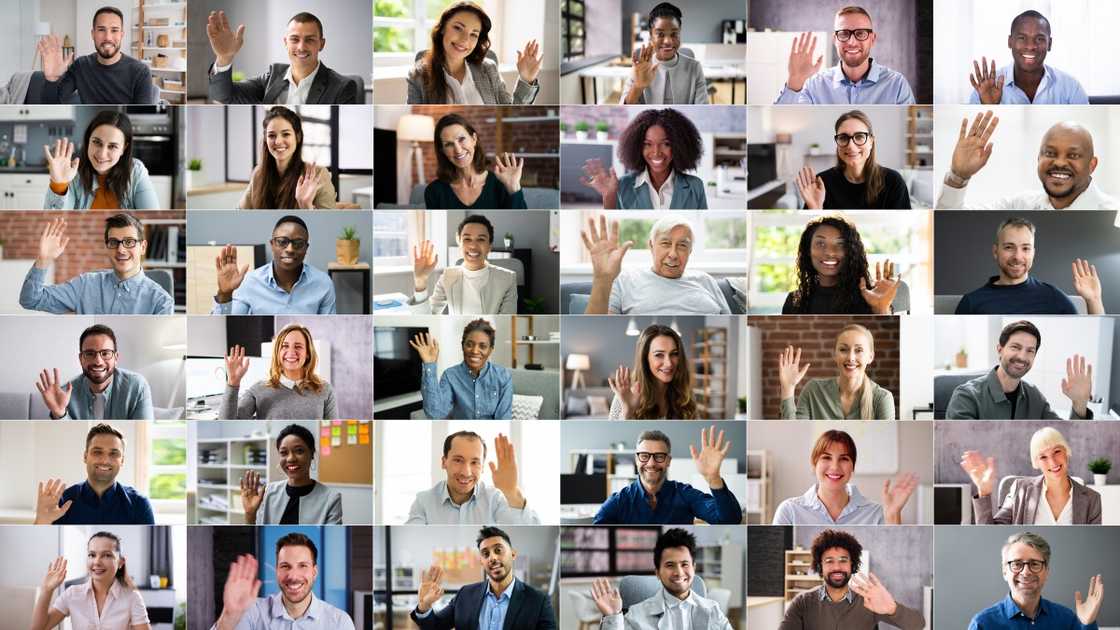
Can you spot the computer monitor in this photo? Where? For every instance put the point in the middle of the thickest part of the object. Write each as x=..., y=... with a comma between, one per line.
x=582, y=488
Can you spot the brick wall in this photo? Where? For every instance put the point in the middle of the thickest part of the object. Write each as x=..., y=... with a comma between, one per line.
x=816, y=336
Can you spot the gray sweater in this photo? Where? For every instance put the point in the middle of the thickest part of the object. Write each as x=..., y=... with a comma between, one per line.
x=280, y=403
x=129, y=81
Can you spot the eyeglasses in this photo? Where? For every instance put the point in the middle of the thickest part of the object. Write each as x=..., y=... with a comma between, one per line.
x=657, y=457
x=282, y=242
x=859, y=137
x=105, y=355
x=113, y=243
x=1016, y=566
x=861, y=34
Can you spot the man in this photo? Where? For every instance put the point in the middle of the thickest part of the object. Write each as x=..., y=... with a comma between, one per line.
x=1032, y=81
x=1015, y=291
x=674, y=78
x=653, y=499
x=104, y=77
x=295, y=606
x=1065, y=168
x=846, y=601
x=500, y=601
x=1001, y=394
x=304, y=80
x=463, y=499
x=286, y=286
x=674, y=606
x=664, y=288
x=99, y=500
x=857, y=79
x=1025, y=563
x=473, y=288
x=102, y=391
x=121, y=290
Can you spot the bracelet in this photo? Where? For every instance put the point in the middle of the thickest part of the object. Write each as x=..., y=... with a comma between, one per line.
x=955, y=181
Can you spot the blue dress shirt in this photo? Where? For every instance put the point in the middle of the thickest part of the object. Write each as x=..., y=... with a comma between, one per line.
x=486, y=506
x=268, y=613
x=1006, y=615
x=677, y=504
x=1057, y=88
x=128, y=397
x=96, y=293
x=463, y=397
x=260, y=294
x=494, y=608
x=881, y=86
x=807, y=509
x=120, y=505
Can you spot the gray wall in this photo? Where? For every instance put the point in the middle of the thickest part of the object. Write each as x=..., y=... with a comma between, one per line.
x=967, y=564
x=415, y=546
x=700, y=22
x=583, y=434
x=603, y=36
x=250, y=228
x=351, y=338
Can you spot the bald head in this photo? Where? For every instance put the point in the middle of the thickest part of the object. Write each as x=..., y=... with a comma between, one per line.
x=1066, y=162
x=1069, y=132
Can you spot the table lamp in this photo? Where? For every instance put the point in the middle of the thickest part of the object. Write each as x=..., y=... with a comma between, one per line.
x=578, y=363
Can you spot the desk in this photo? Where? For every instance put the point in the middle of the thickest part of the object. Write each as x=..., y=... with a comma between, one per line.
x=732, y=72
x=391, y=303
x=363, y=192
x=363, y=269
x=578, y=513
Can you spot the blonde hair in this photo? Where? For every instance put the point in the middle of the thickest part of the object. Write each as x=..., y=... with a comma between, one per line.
x=1047, y=437
x=309, y=380
x=867, y=390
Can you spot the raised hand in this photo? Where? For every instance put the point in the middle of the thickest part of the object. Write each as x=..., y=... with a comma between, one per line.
x=47, y=509
x=981, y=470
x=812, y=188
x=307, y=186
x=876, y=597
x=62, y=164
x=708, y=460
x=1088, y=608
x=504, y=473
x=237, y=364
x=985, y=82
x=242, y=587
x=602, y=179
x=604, y=249
x=880, y=296
x=1078, y=384
x=529, y=61
x=424, y=261
x=894, y=497
x=55, y=396
x=607, y=597
x=56, y=575
x=973, y=147
x=644, y=67
x=54, y=62
x=431, y=588
x=1087, y=284
x=790, y=371
x=223, y=40
x=252, y=493
x=52, y=242
x=427, y=346
x=507, y=168
x=229, y=276
x=801, y=64
x=628, y=392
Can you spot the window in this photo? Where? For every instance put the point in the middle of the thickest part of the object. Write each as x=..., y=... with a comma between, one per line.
x=595, y=551
x=401, y=28
x=395, y=232
x=720, y=236
x=163, y=450
x=405, y=471
x=572, y=32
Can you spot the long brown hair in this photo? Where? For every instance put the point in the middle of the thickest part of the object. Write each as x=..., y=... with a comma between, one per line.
x=433, y=62
x=872, y=172
x=270, y=188
x=121, y=574
x=309, y=380
x=119, y=177
x=681, y=406
x=445, y=170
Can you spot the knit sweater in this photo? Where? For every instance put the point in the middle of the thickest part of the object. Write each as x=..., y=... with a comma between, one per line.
x=280, y=403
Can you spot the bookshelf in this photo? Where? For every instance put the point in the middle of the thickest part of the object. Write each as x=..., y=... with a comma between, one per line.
x=709, y=377
x=167, y=249
x=221, y=463
x=159, y=39
x=919, y=137
x=759, y=504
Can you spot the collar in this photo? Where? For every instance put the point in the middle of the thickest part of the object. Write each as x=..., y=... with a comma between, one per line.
x=660, y=493
x=86, y=588
x=874, y=73
x=86, y=490
x=287, y=382
x=855, y=499
x=276, y=608
x=672, y=63
x=992, y=280
x=476, y=273
x=445, y=495
x=128, y=284
x=825, y=598
x=270, y=276
x=1009, y=72
x=309, y=79
x=107, y=392
x=506, y=594
x=1011, y=610
x=643, y=179
x=995, y=389
x=672, y=601
x=481, y=373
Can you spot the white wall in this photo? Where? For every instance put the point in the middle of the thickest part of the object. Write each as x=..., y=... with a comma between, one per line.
x=206, y=132
x=916, y=390
x=83, y=24
x=816, y=123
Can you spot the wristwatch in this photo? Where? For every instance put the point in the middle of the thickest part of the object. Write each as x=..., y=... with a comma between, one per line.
x=955, y=181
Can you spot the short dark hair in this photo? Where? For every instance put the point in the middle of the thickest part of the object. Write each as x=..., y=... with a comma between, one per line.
x=102, y=429
x=479, y=325
x=97, y=329
x=490, y=532
x=830, y=539
x=671, y=538
x=107, y=9
x=1020, y=326
x=291, y=218
x=469, y=435
x=295, y=539
x=1028, y=14
x=654, y=435
x=303, y=17
x=123, y=220
x=481, y=220
x=687, y=145
x=664, y=10
x=299, y=431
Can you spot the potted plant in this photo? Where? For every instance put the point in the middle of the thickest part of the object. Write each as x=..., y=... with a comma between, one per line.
x=194, y=173
x=508, y=240
x=347, y=246
x=533, y=304
x=1100, y=467
x=581, y=130
x=601, y=130
x=961, y=359
x=1, y=249
x=563, y=130
x=814, y=149
x=743, y=404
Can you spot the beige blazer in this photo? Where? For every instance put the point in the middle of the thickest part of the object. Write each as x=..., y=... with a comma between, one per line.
x=1023, y=499
x=499, y=295
x=324, y=197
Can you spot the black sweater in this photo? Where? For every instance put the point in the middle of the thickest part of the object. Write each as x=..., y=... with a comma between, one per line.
x=840, y=194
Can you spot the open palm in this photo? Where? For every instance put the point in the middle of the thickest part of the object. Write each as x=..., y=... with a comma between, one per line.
x=604, y=249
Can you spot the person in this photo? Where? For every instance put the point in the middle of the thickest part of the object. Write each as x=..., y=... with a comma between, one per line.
x=664, y=287
x=103, y=391
x=1002, y=394
x=1052, y=498
x=297, y=500
x=286, y=286
x=304, y=80
x=282, y=179
x=103, y=175
x=847, y=600
x=850, y=395
x=104, y=77
x=474, y=389
x=100, y=499
x=857, y=79
x=653, y=498
x=460, y=42
x=500, y=600
x=660, y=386
x=675, y=604
x=1015, y=291
x=292, y=389
x=108, y=599
x=293, y=605
x=673, y=78
x=833, y=275
x=123, y=289
x=833, y=499
x=1066, y=162
x=1025, y=563
x=474, y=287
x=857, y=180
x=463, y=498
x=1027, y=80
x=462, y=181
x=656, y=148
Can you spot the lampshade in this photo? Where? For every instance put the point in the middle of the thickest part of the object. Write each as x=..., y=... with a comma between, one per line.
x=416, y=128
x=579, y=362
x=632, y=328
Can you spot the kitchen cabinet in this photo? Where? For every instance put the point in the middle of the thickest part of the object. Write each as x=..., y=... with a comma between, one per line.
x=29, y=113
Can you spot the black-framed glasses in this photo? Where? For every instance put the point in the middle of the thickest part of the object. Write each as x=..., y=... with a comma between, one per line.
x=113, y=243
x=90, y=355
x=1016, y=566
x=283, y=241
x=861, y=34
x=859, y=137
x=644, y=457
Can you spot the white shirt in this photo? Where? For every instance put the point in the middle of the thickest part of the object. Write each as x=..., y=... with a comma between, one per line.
x=297, y=94
x=661, y=199
x=679, y=611
x=464, y=93
x=1092, y=198
x=123, y=608
x=1044, y=516
x=473, y=282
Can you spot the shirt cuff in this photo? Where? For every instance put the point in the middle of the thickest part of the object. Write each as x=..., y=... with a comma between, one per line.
x=217, y=69
x=419, y=296
x=422, y=615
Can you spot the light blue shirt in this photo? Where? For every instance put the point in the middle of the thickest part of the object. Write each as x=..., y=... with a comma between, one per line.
x=128, y=397
x=485, y=507
x=1056, y=88
x=464, y=397
x=96, y=293
x=881, y=86
x=140, y=195
x=494, y=608
x=268, y=613
x=807, y=509
x=261, y=294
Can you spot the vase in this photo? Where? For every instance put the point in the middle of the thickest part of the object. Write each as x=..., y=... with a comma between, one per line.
x=346, y=252
x=1100, y=480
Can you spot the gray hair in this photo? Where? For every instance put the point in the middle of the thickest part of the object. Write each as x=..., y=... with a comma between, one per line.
x=654, y=436
x=665, y=224
x=1031, y=539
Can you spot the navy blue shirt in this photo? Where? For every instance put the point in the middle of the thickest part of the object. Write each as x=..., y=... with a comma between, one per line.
x=1007, y=615
x=677, y=504
x=1032, y=297
x=120, y=505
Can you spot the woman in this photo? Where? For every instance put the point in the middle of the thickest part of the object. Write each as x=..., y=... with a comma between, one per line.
x=107, y=600
x=475, y=286
x=833, y=500
x=455, y=69
x=300, y=500
x=850, y=395
x=661, y=386
x=462, y=181
x=282, y=179
x=103, y=177
x=833, y=277
x=1052, y=498
x=657, y=147
x=856, y=181
x=473, y=389
x=292, y=390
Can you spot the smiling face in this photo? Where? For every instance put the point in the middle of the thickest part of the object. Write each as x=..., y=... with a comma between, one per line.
x=653, y=473
x=670, y=251
x=854, y=156
x=1053, y=461
x=657, y=151
x=497, y=558
x=1025, y=585
x=463, y=464
x=294, y=353
x=107, y=34
x=836, y=567
x=281, y=140
x=664, y=358
x=827, y=250
x=103, y=459
x=474, y=245
x=295, y=572
x=853, y=353
x=676, y=570
x=106, y=145
x=665, y=36
x=1017, y=356
x=458, y=145
x=102, y=559
x=125, y=261
x=853, y=53
x=1029, y=42
x=1014, y=253
x=460, y=36
x=476, y=350
x=304, y=42
x=295, y=458
x=834, y=467
x=94, y=367
x=289, y=258
x=1066, y=161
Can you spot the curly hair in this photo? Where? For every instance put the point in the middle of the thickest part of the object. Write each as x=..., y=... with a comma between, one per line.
x=687, y=146
x=852, y=270
x=433, y=61
x=681, y=405
x=830, y=539
x=671, y=539
x=872, y=173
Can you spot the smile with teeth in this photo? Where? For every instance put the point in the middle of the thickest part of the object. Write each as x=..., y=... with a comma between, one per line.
x=1059, y=175
x=833, y=476
x=459, y=48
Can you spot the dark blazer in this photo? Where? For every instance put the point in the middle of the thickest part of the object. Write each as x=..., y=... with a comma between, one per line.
x=529, y=609
x=329, y=88
x=1023, y=501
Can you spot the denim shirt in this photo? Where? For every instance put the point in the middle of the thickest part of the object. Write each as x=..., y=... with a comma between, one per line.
x=141, y=195
x=96, y=293
x=1006, y=615
x=881, y=86
x=463, y=397
x=677, y=504
x=261, y=294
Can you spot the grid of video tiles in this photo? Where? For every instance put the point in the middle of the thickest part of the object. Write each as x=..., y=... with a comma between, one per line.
x=526, y=314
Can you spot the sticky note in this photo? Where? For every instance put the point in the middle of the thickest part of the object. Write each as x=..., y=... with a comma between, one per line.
x=336, y=431
x=336, y=441
x=363, y=439
x=351, y=439
x=352, y=429
x=363, y=428
x=325, y=432
x=336, y=423
x=324, y=423
x=325, y=450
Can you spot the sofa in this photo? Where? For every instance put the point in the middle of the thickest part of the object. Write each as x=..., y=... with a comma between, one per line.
x=574, y=296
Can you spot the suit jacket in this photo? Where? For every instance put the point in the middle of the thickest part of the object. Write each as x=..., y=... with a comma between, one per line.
x=499, y=296
x=529, y=609
x=329, y=88
x=1023, y=500
x=649, y=614
x=688, y=193
x=486, y=79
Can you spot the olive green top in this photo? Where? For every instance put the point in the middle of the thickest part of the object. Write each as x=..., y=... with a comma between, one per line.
x=820, y=400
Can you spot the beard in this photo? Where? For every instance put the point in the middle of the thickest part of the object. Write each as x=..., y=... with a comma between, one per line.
x=113, y=50
x=96, y=379
x=837, y=582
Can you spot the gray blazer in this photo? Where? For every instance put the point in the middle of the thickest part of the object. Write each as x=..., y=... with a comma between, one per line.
x=1023, y=499
x=486, y=79
x=499, y=296
x=329, y=88
x=649, y=614
x=323, y=506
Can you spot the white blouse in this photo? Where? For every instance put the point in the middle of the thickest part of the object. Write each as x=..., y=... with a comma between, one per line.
x=1044, y=516
x=123, y=608
x=465, y=93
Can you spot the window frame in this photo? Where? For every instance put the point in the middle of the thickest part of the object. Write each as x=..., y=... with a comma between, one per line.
x=568, y=18
x=147, y=433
